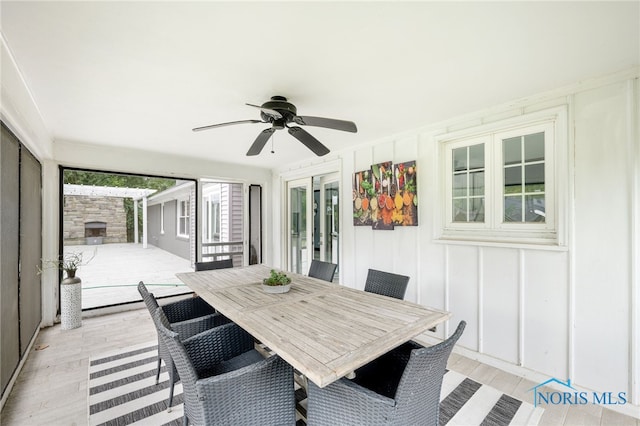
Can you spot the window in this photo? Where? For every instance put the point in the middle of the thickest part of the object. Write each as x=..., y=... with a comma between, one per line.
x=183, y=218
x=162, y=218
x=211, y=217
x=523, y=182
x=223, y=221
x=467, y=194
x=499, y=182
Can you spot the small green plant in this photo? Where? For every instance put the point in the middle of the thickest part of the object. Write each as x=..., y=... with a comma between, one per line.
x=277, y=278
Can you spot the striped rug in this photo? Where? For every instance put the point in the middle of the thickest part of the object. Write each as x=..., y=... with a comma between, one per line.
x=122, y=391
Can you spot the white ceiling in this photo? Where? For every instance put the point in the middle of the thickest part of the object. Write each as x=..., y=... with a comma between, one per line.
x=142, y=74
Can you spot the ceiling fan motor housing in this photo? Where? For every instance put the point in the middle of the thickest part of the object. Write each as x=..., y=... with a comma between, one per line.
x=286, y=109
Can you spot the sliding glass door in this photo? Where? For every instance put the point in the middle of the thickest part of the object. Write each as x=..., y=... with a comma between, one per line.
x=327, y=216
x=299, y=229
x=312, y=221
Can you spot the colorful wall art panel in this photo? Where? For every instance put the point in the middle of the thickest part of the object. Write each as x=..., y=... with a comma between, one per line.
x=382, y=210
x=406, y=194
x=362, y=194
x=386, y=196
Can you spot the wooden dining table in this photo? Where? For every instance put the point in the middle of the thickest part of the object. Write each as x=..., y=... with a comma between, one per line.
x=324, y=330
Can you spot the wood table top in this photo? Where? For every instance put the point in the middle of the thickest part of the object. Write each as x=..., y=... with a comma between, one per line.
x=324, y=330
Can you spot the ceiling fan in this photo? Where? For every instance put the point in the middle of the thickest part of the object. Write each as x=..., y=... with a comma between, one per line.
x=280, y=114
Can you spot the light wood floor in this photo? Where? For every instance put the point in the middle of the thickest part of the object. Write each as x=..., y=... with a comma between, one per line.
x=52, y=387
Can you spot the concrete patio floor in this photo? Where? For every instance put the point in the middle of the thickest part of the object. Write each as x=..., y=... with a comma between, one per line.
x=112, y=276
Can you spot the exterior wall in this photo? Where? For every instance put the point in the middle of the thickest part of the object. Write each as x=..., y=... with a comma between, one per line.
x=564, y=311
x=231, y=221
x=169, y=241
x=79, y=210
x=232, y=213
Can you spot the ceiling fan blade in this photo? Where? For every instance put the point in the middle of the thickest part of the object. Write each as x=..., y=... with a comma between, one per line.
x=270, y=112
x=309, y=141
x=230, y=123
x=260, y=141
x=329, y=123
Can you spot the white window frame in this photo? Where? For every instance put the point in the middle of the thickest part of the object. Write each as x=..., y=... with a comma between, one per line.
x=161, y=218
x=450, y=224
x=549, y=182
x=494, y=230
x=180, y=216
x=211, y=214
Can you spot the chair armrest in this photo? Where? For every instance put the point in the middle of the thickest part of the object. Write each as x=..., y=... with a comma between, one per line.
x=188, y=328
x=216, y=345
x=187, y=309
x=346, y=402
x=260, y=393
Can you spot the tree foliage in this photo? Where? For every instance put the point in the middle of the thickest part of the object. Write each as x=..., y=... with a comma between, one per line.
x=80, y=177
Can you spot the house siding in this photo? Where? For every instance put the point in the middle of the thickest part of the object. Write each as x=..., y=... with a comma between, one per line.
x=168, y=241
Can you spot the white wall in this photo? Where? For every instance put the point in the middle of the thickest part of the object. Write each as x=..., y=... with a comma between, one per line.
x=564, y=311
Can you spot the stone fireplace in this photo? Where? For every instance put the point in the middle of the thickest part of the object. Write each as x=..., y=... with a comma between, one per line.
x=95, y=232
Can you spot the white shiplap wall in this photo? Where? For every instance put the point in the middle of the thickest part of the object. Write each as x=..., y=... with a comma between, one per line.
x=562, y=311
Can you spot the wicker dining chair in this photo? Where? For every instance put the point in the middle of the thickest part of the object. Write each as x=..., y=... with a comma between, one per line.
x=225, y=381
x=322, y=270
x=402, y=387
x=214, y=264
x=386, y=283
x=186, y=317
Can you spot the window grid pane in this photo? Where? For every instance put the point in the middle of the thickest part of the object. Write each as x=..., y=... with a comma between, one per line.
x=524, y=179
x=183, y=218
x=468, y=188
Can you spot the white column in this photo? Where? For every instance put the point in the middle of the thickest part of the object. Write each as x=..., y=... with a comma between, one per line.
x=144, y=222
x=50, y=229
x=135, y=221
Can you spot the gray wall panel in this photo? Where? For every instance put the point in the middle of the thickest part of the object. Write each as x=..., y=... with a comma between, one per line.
x=30, y=247
x=9, y=225
x=168, y=241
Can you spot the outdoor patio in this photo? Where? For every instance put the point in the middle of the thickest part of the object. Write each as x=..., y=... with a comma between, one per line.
x=112, y=275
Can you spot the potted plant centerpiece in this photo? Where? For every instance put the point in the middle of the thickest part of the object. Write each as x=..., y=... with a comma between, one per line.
x=70, y=288
x=277, y=282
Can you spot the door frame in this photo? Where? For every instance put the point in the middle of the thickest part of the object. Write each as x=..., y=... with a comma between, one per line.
x=332, y=166
x=299, y=183
x=322, y=207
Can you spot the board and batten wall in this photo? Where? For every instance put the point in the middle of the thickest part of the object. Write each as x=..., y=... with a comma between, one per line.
x=567, y=311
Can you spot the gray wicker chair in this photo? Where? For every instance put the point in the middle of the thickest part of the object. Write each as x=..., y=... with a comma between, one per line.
x=322, y=270
x=214, y=264
x=402, y=387
x=225, y=381
x=386, y=283
x=186, y=317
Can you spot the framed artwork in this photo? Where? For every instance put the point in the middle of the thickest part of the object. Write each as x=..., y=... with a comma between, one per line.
x=362, y=194
x=406, y=194
x=382, y=207
x=386, y=196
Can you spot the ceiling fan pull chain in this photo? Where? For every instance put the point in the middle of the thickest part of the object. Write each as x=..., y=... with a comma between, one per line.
x=273, y=137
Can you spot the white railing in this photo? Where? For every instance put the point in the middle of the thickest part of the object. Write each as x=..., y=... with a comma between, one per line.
x=223, y=250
